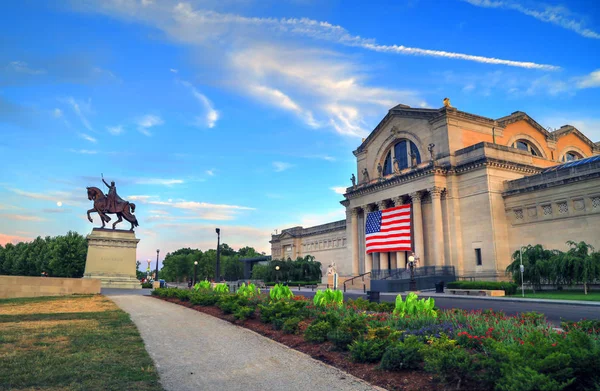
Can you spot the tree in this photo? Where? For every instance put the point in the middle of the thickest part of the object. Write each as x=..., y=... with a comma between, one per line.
x=140, y=275
x=68, y=255
x=580, y=263
x=537, y=262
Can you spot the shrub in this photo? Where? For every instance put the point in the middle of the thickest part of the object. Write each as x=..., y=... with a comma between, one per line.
x=328, y=297
x=243, y=313
x=341, y=338
x=317, y=331
x=331, y=317
x=231, y=303
x=367, y=350
x=292, y=325
x=204, y=299
x=281, y=310
x=588, y=326
x=182, y=294
x=403, y=355
x=279, y=292
x=146, y=285
x=509, y=288
x=221, y=288
x=414, y=306
x=453, y=365
x=202, y=285
x=158, y=292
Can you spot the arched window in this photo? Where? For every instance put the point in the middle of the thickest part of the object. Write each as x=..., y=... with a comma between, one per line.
x=404, y=152
x=525, y=145
x=570, y=156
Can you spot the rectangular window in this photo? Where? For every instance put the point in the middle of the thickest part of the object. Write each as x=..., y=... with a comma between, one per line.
x=478, y=256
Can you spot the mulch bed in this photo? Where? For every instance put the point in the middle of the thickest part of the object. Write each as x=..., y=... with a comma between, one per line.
x=402, y=380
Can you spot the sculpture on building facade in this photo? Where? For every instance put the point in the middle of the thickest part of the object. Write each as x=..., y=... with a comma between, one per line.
x=111, y=203
x=447, y=102
x=366, y=178
x=413, y=159
x=332, y=269
x=353, y=179
x=430, y=149
x=380, y=171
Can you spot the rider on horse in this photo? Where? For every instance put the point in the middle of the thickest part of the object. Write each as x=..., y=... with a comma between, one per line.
x=113, y=197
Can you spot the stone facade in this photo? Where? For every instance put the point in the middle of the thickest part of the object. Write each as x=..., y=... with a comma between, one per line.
x=20, y=286
x=478, y=187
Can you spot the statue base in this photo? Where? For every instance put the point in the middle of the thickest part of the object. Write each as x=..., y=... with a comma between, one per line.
x=111, y=258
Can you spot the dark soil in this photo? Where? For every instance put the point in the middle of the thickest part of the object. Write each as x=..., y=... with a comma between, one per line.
x=409, y=380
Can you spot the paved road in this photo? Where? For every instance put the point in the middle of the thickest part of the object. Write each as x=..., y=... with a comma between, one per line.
x=553, y=311
x=194, y=351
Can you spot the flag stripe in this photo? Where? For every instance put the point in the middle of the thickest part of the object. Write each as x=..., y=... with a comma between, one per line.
x=389, y=230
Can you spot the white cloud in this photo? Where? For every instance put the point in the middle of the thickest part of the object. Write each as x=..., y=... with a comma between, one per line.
x=147, y=122
x=281, y=166
x=590, y=81
x=309, y=220
x=557, y=15
x=57, y=113
x=83, y=151
x=23, y=67
x=115, y=130
x=211, y=116
x=339, y=189
x=88, y=137
x=210, y=172
x=21, y=217
x=159, y=181
x=195, y=209
x=79, y=108
x=173, y=70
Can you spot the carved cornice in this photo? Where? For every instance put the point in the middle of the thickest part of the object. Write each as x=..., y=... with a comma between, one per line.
x=495, y=163
x=105, y=242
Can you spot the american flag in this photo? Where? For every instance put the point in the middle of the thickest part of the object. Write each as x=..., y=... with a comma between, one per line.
x=388, y=230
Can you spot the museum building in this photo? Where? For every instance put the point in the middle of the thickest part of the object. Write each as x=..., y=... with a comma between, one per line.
x=479, y=189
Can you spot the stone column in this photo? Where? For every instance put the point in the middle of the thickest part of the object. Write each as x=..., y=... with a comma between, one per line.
x=419, y=249
x=368, y=257
x=399, y=254
x=383, y=256
x=438, y=227
x=354, y=221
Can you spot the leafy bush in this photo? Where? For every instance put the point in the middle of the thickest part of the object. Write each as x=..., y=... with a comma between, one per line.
x=414, y=306
x=331, y=317
x=328, y=297
x=183, y=295
x=158, y=292
x=243, y=313
x=204, y=299
x=202, y=285
x=147, y=285
x=281, y=310
x=367, y=350
x=317, y=331
x=248, y=291
x=588, y=326
x=292, y=325
x=279, y=292
x=366, y=305
x=341, y=338
x=403, y=355
x=510, y=288
x=221, y=288
x=231, y=303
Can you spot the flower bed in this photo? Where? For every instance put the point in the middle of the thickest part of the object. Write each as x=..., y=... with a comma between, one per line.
x=410, y=346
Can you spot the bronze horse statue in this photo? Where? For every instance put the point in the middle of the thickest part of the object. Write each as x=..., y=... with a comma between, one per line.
x=102, y=206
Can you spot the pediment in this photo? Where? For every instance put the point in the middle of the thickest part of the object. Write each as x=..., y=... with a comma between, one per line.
x=522, y=116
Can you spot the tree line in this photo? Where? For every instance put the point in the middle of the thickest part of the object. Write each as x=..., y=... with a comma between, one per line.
x=58, y=256
x=580, y=265
x=302, y=269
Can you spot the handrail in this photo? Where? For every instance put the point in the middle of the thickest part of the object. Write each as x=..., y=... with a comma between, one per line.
x=353, y=278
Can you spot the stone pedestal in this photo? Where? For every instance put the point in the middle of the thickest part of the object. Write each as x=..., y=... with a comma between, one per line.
x=111, y=258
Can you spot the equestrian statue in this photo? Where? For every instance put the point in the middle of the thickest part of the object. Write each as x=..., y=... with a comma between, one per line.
x=111, y=203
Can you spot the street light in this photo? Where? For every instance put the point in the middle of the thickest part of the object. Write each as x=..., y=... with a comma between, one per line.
x=195, y=271
x=411, y=264
x=148, y=269
x=156, y=276
x=277, y=274
x=522, y=270
x=218, y=254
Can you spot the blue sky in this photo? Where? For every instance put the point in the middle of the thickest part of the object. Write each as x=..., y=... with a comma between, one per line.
x=243, y=114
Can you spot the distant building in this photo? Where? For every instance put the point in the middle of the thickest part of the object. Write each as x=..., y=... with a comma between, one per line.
x=479, y=187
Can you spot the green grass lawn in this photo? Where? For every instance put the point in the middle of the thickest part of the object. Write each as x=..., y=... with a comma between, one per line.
x=561, y=295
x=71, y=343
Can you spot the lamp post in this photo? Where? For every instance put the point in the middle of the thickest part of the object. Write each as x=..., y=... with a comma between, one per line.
x=156, y=276
x=277, y=274
x=148, y=269
x=218, y=271
x=195, y=271
x=411, y=264
x=522, y=270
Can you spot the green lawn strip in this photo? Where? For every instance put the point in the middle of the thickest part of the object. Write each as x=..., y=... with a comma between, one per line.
x=37, y=299
x=561, y=295
x=105, y=352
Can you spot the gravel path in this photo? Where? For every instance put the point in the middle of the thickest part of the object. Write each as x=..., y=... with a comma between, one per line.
x=195, y=351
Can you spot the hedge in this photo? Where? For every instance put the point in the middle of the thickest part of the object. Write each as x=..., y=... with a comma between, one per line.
x=294, y=283
x=509, y=288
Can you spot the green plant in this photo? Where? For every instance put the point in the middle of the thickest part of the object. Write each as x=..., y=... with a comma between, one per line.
x=367, y=350
x=183, y=295
x=202, y=285
x=292, y=325
x=243, y=313
x=341, y=338
x=413, y=306
x=281, y=310
x=248, y=291
x=403, y=355
x=231, y=303
x=328, y=297
x=221, y=288
x=317, y=331
x=147, y=285
x=452, y=364
x=279, y=292
x=204, y=299
x=509, y=288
